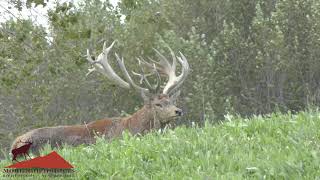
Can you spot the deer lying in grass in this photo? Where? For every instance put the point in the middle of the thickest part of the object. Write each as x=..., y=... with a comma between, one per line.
x=158, y=109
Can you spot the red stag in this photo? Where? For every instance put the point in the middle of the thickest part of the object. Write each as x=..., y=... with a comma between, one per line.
x=23, y=150
x=158, y=109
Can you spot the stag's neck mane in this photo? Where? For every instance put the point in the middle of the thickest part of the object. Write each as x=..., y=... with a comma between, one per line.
x=141, y=121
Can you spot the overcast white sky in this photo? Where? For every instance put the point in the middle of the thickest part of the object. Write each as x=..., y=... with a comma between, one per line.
x=37, y=14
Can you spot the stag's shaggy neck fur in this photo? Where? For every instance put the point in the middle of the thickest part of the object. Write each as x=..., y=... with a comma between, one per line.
x=140, y=122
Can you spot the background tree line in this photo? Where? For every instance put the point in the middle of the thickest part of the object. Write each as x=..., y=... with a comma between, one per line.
x=247, y=57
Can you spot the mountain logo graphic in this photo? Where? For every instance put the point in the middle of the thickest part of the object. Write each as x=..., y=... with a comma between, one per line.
x=52, y=160
x=49, y=164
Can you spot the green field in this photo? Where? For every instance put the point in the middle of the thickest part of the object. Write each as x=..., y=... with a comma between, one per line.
x=272, y=147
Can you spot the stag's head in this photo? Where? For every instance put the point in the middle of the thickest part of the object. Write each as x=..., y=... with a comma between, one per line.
x=163, y=108
x=159, y=100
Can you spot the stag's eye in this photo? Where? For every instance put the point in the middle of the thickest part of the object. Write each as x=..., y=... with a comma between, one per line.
x=159, y=105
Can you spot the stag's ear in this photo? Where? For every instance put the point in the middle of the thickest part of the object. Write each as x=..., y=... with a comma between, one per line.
x=174, y=97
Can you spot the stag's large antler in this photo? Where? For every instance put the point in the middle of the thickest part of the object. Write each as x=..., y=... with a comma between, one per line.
x=168, y=69
x=102, y=65
x=163, y=66
x=174, y=81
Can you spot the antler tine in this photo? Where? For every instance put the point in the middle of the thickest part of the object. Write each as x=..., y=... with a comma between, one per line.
x=157, y=87
x=169, y=69
x=164, y=63
x=174, y=59
x=127, y=76
x=137, y=74
x=143, y=75
x=89, y=57
x=102, y=65
x=184, y=73
x=150, y=65
x=159, y=68
x=156, y=72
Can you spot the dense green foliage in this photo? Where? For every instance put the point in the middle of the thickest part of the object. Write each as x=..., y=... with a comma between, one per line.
x=272, y=147
x=247, y=57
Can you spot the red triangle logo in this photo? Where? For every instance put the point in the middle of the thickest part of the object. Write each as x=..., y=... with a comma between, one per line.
x=50, y=161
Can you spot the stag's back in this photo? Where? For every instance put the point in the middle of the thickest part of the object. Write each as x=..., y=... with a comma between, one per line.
x=71, y=135
x=55, y=136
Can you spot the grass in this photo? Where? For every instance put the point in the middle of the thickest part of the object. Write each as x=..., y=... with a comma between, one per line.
x=272, y=147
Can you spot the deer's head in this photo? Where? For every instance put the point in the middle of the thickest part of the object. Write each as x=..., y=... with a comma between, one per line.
x=160, y=103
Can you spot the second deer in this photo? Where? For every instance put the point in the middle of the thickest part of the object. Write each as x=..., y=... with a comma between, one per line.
x=158, y=110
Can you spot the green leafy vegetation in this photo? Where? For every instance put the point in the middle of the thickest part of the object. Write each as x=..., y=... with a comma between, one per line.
x=276, y=146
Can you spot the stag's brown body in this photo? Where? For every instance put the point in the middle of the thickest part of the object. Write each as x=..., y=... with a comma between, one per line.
x=158, y=109
x=139, y=123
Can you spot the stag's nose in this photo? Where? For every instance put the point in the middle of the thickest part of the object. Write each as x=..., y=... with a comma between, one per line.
x=179, y=112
